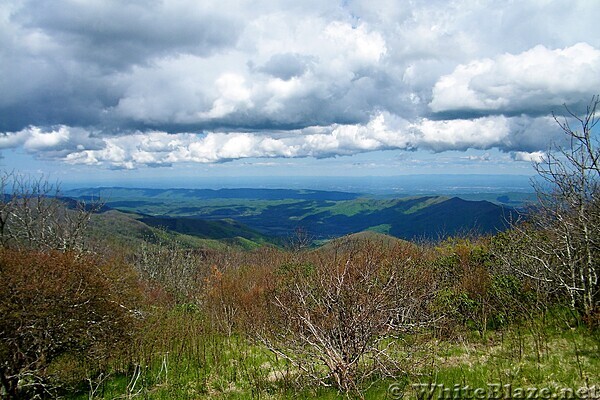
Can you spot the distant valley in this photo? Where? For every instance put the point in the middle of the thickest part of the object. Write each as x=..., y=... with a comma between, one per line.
x=257, y=216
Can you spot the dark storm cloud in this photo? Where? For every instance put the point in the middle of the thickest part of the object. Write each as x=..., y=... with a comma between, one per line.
x=286, y=66
x=116, y=34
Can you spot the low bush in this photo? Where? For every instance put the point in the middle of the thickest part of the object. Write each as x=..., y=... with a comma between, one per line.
x=60, y=308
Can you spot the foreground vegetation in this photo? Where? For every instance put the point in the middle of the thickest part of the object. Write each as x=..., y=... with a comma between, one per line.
x=227, y=323
x=205, y=366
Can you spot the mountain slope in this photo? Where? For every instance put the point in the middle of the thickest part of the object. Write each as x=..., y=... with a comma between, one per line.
x=348, y=242
x=206, y=229
x=453, y=216
x=131, y=230
x=260, y=214
x=409, y=218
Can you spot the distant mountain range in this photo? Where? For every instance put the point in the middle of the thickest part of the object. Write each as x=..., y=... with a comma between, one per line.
x=263, y=215
x=450, y=185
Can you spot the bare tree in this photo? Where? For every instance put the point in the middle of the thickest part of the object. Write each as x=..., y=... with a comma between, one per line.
x=562, y=234
x=340, y=322
x=171, y=266
x=300, y=240
x=34, y=215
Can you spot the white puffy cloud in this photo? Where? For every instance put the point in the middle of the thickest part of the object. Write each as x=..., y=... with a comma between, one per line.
x=38, y=140
x=160, y=148
x=326, y=60
x=382, y=132
x=13, y=139
x=234, y=95
x=460, y=134
x=536, y=80
x=536, y=156
x=55, y=142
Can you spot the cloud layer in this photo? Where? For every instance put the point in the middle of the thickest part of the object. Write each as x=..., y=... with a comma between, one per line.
x=156, y=83
x=383, y=132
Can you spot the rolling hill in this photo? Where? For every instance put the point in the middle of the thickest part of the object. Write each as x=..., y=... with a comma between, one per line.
x=259, y=215
x=130, y=230
x=428, y=217
x=205, y=229
x=347, y=242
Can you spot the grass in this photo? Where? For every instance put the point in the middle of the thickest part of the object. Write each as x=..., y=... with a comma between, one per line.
x=426, y=203
x=190, y=207
x=177, y=358
x=555, y=354
x=180, y=358
x=383, y=228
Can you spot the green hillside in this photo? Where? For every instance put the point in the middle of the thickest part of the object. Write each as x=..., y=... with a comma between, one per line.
x=259, y=215
x=347, y=242
x=116, y=228
x=205, y=229
x=407, y=218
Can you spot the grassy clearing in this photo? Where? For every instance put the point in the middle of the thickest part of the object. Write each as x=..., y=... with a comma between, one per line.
x=180, y=358
x=559, y=359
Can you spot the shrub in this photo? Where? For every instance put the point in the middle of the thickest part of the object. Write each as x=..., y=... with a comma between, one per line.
x=338, y=320
x=58, y=306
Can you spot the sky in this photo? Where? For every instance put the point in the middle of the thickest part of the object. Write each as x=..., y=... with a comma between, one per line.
x=107, y=91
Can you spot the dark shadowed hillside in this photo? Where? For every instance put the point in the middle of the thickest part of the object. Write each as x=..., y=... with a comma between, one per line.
x=256, y=214
x=451, y=217
x=206, y=229
x=409, y=218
